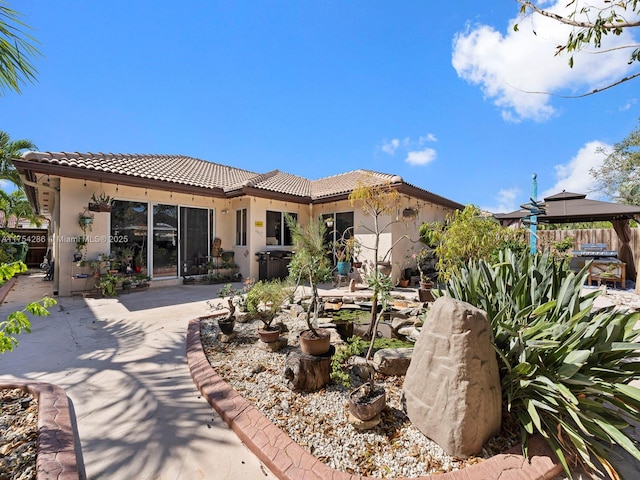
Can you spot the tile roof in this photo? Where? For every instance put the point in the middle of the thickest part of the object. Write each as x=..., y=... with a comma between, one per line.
x=193, y=172
x=280, y=182
x=346, y=182
x=168, y=168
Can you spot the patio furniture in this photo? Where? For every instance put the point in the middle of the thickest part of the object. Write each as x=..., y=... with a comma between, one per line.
x=607, y=270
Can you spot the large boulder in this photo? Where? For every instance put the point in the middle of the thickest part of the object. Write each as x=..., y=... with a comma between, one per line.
x=451, y=391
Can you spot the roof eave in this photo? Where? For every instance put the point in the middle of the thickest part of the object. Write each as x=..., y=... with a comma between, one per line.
x=24, y=167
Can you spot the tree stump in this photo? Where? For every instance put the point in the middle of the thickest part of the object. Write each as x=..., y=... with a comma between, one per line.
x=308, y=373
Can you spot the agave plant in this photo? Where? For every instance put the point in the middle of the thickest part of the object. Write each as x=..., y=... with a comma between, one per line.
x=566, y=367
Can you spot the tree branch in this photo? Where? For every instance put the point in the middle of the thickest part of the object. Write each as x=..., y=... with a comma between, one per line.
x=575, y=23
x=592, y=92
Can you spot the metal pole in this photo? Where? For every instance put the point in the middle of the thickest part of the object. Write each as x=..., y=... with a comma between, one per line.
x=533, y=227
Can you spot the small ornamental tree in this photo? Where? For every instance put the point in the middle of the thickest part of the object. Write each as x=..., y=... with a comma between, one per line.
x=377, y=201
x=310, y=263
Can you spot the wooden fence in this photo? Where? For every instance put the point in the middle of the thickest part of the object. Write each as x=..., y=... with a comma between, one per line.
x=608, y=236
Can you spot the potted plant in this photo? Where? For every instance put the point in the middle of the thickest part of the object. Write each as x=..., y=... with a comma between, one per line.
x=425, y=262
x=264, y=301
x=127, y=283
x=85, y=220
x=95, y=266
x=310, y=263
x=142, y=281
x=81, y=248
x=344, y=250
x=235, y=297
x=108, y=285
x=100, y=203
x=368, y=400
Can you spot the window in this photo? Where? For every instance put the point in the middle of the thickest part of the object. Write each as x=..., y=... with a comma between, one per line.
x=129, y=235
x=278, y=232
x=165, y=241
x=194, y=240
x=338, y=224
x=241, y=227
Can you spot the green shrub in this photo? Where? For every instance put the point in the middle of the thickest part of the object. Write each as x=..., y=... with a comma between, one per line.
x=265, y=299
x=565, y=367
x=467, y=235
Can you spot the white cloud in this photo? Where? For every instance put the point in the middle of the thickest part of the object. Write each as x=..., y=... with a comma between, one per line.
x=630, y=103
x=506, y=201
x=429, y=137
x=421, y=157
x=408, y=145
x=391, y=146
x=508, y=66
x=575, y=176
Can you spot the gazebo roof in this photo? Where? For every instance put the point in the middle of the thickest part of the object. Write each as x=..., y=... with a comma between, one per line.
x=567, y=207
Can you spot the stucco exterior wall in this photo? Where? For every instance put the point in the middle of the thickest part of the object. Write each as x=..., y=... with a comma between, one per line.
x=75, y=195
x=399, y=235
x=257, y=225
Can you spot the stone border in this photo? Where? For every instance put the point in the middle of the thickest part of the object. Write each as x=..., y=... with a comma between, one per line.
x=6, y=287
x=57, y=458
x=289, y=461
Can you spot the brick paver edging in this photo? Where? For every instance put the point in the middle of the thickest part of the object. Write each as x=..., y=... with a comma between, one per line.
x=6, y=287
x=57, y=458
x=289, y=461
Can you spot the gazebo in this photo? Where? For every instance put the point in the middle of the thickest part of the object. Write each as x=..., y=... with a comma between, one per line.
x=567, y=207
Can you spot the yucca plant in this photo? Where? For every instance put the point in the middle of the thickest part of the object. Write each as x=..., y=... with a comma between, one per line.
x=565, y=367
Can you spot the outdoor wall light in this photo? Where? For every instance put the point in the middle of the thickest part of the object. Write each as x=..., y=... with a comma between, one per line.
x=225, y=211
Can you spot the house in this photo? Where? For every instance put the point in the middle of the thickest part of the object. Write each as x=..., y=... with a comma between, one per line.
x=168, y=211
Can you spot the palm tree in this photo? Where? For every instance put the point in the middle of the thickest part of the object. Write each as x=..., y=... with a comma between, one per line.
x=8, y=151
x=16, y=204
x=16, y=49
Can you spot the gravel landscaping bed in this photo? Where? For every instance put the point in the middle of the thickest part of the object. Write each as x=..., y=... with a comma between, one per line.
x=318, y=421
x=18, y=434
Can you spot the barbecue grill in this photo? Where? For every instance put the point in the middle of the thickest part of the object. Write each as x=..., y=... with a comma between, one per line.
x=594, y=250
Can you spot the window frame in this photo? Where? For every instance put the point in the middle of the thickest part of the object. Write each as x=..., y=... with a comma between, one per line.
x=241, y=227
x=283, y=237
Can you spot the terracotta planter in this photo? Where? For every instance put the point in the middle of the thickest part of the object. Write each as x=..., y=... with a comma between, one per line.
x=366, y=405
x=403, y=282
x=226, y=325
x=270, y=335
x=312, y=345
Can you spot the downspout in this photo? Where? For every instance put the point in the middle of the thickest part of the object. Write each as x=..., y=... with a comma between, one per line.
x=55, y=229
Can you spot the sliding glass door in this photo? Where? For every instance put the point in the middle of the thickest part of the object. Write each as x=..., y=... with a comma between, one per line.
x=165, y=240
x=194, y=240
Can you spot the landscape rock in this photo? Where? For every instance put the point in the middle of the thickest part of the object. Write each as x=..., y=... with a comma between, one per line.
x=452, y=391
x=398, y=321
x=392, y=361
x=279, y=344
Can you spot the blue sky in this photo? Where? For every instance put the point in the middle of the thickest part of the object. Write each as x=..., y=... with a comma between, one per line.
x=432, y=92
